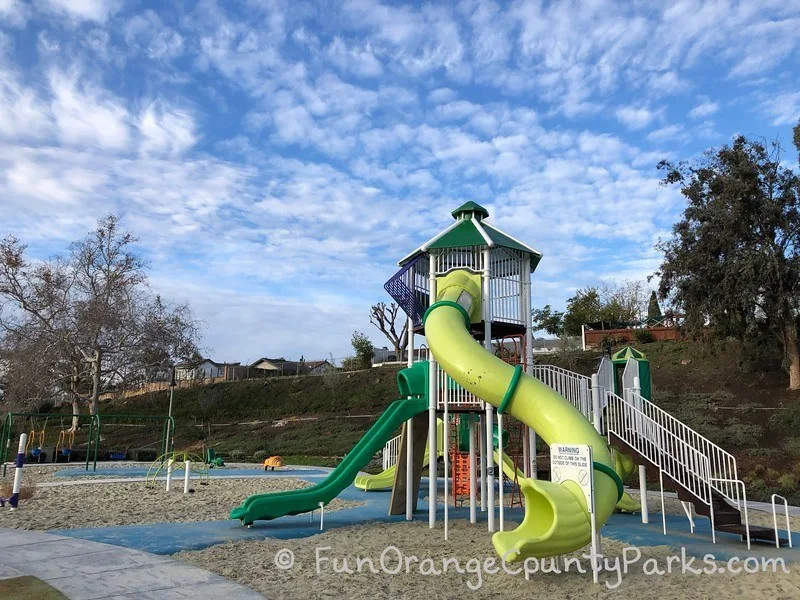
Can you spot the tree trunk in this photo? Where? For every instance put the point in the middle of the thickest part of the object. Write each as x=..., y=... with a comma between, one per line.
x=791, y=351
x=76, y=400
x=95, y=402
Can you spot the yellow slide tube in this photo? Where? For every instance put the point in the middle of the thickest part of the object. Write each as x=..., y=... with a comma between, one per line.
x=556, y=516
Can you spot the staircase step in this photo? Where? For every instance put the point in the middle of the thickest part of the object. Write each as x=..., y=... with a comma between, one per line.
x=757, y=533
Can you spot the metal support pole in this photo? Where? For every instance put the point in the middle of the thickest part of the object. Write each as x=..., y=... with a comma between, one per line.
x=643, y=493
x=489, y=467
x=446, y=457
x=534, y=461
x=187, y=475
x=432, y=389
x=596, y=405
x=409, y=469
x=500, y=474
x=473, y=472
x=13, y=501
x=170, y=469
x=482, y=458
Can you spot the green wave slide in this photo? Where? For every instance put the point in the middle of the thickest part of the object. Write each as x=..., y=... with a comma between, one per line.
x=556, y=518
x=380, y=482
x=264, y=507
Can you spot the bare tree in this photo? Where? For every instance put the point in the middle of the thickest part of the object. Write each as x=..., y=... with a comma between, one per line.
x=92, y=312
x=385, y=319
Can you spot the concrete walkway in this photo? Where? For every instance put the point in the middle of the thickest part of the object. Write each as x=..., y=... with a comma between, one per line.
x=84, y=570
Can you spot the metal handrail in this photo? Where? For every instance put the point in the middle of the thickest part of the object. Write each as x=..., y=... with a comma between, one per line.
x=390, y=450
x=737, y=483
x=775, y=520
x=668, y=452
x=724, y=468
x=574, y=387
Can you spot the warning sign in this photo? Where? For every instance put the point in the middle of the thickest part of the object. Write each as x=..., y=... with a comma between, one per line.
x=574, y=463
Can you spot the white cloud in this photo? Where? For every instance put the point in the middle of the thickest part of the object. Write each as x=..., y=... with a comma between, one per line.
x=636, y=117
x=706, y=108
x=784, y=108
x=14, y=12
x=148, y=33
x=442, y=95
x=87, y=115
x=83, y=10
x=166, y=130
x=668, y=133
x=23, y=115
x=359, y=61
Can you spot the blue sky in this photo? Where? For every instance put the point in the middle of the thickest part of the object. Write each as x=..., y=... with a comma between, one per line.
x=277, y=158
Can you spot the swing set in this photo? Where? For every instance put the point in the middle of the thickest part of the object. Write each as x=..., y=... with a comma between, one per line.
x=66, y=439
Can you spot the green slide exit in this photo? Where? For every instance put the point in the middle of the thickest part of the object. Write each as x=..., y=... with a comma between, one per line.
x=263, y=507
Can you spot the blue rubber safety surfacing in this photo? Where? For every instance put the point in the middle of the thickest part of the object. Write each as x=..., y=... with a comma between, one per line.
x=168, y=538
x=122, y=472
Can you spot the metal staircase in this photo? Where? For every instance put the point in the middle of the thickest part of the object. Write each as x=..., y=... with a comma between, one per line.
x=703, y=474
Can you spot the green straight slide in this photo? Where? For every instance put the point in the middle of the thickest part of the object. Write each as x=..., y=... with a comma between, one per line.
x=263, y=507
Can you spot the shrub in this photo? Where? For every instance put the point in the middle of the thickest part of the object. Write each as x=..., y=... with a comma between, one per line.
x=788, y=419
x=787, y=481
x=791, y=446
x=236, y=454
x=259, y=455
x=643, y=336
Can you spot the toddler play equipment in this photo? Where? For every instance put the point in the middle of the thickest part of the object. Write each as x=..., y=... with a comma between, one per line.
x=468, y=290
x=213, y=460
x=273, y=461
x=35, y=443
x=192, y=465
x=66, y=439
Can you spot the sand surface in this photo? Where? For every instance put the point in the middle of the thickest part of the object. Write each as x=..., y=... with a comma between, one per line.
x=102, y=504
x=252, y=563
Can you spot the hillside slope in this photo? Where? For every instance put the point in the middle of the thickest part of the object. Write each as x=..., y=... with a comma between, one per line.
x=319, y=419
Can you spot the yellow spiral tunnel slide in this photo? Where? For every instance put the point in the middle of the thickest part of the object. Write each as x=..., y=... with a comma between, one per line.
x=556, y=518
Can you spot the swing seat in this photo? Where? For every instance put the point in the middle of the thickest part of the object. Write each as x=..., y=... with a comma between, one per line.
x=35, y=452
x=66, y=451
x=117, y=455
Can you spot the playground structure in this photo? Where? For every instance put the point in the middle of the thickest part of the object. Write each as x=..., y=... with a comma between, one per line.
x=93, y=425
x=468, y=290
x=273, y=462
x=194, y=467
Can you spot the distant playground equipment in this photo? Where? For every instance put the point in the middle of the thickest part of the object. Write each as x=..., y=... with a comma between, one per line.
x=193, y=466
x=468, y=291
x=271, y=462
x=96, y=427
x=66, y=439
x=35, y=443
x=213, y=460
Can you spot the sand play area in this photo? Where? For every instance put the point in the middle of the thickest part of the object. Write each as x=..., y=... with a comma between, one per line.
x=253, y=563
x=90, y=504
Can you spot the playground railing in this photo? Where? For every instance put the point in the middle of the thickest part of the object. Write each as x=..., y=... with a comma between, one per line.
x=390, y=451
x=775, y=519
x=674, y=456
x=722, y=464
x=575, y=388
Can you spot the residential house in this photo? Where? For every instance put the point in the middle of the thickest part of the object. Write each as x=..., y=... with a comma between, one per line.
x=270, y=367
x=209, y=369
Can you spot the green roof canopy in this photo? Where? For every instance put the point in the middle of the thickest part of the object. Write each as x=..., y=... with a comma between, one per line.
x=469, y=209
x=627, y=352
x=472, y=230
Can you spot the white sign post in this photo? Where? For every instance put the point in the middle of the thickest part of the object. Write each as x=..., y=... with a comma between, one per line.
x=574, y=463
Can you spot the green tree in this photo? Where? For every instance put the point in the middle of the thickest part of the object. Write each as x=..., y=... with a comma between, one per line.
x=584, y=307
x=653, y=309
x=611, y=302
x=549, y=320
x=733, y=261
x=363, y=348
